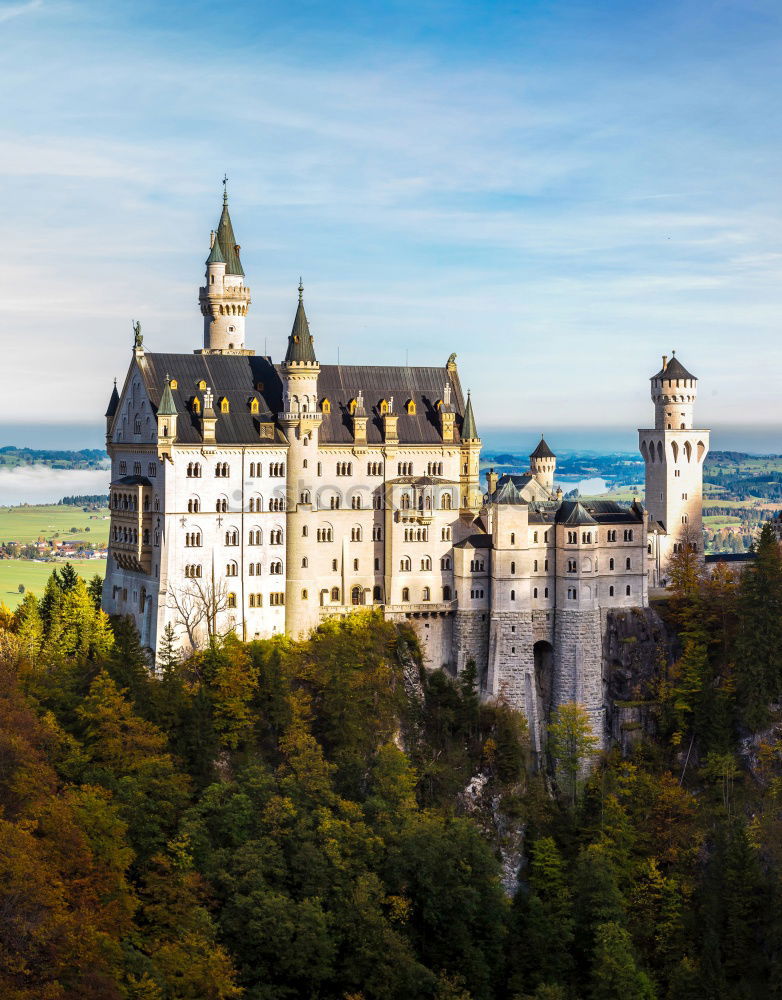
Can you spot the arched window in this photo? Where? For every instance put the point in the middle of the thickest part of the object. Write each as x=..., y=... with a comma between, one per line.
x=628, y=563
x=335, y=594
x=355, y=595
x=275, y=536
x=377, y=594
x=405, y=594
x=513, y=567
x=224, y=406
x=610, y=563
x=610, y=591
x=232, y=569
x=427, y=594
x=627, y=590
x=513, y=595
x=355, y=534
x=446, y=593
x=275, y=568
x=405, y=501
x=255, y=537
x=193, y=505
x=405, y=564
x=231, y=602
x=426, y=564
x=232, y=536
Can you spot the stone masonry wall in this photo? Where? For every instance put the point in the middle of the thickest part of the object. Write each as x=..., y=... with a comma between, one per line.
x=471, y=641
x=578, y=664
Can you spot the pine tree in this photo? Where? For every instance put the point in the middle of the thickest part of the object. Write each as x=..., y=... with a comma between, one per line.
x=169, y=653
x=615, y=975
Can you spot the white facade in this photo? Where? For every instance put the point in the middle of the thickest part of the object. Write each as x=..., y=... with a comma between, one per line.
x=263, y=498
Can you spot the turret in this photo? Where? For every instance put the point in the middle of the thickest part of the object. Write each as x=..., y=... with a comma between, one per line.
x=300, y=419
x=471, y=497
x=112, y=408
x=673, y=392
x=225, y=298
x=543, y=464
x=166, y=422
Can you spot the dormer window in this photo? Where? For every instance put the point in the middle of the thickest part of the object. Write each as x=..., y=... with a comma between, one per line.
x=254, y=407
x=410, y=407
x=224, y=405
x=383, y=406
x=201, y=384
x=174, y=384
x=351, y=406
x=325, y=406
x=196, y=404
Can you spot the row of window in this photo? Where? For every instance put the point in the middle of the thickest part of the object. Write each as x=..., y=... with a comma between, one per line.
x=587, y=537
x=223, y=470
x=151, y=469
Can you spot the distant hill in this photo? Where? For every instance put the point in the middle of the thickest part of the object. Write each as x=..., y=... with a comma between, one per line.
x=87, y=458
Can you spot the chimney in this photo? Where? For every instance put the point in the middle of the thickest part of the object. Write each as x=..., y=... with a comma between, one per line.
x=665, y=361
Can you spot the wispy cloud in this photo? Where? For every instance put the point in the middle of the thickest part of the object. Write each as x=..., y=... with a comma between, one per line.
x=7, y=11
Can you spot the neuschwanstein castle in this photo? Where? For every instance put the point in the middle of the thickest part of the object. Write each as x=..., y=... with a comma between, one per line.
x=265, y=497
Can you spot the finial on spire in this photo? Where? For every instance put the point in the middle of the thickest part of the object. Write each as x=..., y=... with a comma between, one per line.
x=115, y=381
x=225, y=189
x=301, y=289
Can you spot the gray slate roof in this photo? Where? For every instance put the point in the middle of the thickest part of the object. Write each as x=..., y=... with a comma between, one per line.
x=675, y=369
x=543, y=451
x=113, y=402
x=236, y=378
x=599, y=512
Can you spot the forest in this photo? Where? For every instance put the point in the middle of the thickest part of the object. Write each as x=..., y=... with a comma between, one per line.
x=328, y=820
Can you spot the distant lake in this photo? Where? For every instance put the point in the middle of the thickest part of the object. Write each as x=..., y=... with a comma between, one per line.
x=586, y=487
x=40, y=484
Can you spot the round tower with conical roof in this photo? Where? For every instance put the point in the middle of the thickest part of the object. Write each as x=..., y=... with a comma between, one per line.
x=224, y=299
x=543, y=464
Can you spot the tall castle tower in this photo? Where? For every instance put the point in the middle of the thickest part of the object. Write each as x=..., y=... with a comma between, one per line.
x=225, y=298
x=674, y=452
x=300, y=420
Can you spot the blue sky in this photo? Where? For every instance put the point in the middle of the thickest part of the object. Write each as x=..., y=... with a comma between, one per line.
x=558, y=191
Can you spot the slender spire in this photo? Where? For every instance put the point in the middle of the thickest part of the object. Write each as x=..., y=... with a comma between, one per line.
x=300, y=346
x=469, y=430
x=167, y=407
x=113, y=402
x=225, y=237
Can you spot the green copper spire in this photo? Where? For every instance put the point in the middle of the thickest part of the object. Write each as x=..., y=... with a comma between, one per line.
x=215, y=254
x=469, y=430
x=300, y=346
x=225, y=237
x=167, y=407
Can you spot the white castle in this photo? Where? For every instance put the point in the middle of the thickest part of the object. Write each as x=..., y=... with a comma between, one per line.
x=264, y=498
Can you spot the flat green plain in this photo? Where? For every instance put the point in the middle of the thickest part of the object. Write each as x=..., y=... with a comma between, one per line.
x=35, y=574
x=28, y=524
